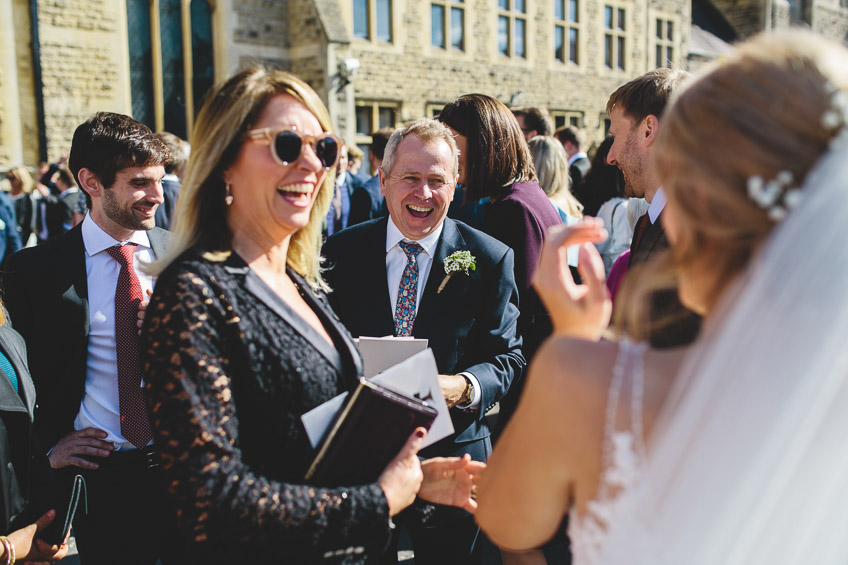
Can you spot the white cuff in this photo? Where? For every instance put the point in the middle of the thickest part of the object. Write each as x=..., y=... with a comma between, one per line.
x=478, y=394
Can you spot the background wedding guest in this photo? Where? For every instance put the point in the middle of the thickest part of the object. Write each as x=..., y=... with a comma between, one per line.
x=22, y=185
x=533, y=121
x=179, y=151
x=338, y=217
x=572, y=140
x=239, y=342
x=495, y=163
x=354, y=159
x=75, y=299
x=665, y=463
x=388, y=277
x=602, y=193
x=551, y=165
x=10, y=239
x=58, y=194
x=23, y=464
x=367, y=202
x=635, y=111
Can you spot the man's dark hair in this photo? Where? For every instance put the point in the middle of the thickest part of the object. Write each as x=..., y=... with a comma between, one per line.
x=66, y=177
x=570, y=134
x=536, y=119
x=647, y=95
x=107, y=143
x=177, y=149
x=379, y=139
x=498, y=156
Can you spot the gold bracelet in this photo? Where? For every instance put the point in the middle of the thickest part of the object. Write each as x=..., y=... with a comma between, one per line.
x=9, y=548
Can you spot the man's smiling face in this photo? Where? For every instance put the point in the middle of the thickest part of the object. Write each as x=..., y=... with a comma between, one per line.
x=420, y=186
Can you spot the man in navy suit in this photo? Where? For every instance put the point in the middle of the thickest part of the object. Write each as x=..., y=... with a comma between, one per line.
x=366, y=201
x=388, y=277
x=66, y=298
x=179, y=150
x=578, y=162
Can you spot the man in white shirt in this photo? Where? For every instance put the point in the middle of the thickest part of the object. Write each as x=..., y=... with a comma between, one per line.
x=76, y=299
x=389, y=277
x=635, y=110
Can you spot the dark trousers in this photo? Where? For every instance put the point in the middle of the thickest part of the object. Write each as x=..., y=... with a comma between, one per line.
x=126, y=521
x=444, y=535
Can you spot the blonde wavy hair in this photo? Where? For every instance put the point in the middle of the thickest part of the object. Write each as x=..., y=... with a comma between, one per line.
x=551, y=164
x=230, y=110
x=757, y=113
x=22, y=174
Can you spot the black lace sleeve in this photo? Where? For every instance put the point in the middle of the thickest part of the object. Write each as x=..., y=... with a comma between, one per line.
x=225, y=508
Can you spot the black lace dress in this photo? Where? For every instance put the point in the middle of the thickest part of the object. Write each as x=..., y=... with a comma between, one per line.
x=230, y=368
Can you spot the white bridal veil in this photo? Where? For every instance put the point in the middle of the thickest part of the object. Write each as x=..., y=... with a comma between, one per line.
x=748, y=464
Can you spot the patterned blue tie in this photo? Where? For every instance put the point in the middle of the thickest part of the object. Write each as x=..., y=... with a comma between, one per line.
x=408, y=290
x=7, y=368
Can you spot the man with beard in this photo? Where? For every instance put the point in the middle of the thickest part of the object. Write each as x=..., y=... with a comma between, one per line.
x=635, y=110
x=76, y=301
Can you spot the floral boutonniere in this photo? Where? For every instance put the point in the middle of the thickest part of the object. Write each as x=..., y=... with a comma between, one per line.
x=456, y=262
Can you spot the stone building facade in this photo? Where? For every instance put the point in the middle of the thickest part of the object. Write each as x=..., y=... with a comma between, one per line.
x=374, y=62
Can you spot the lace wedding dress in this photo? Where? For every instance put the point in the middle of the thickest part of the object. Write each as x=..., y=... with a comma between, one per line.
x=748, y=459
x=623, y=456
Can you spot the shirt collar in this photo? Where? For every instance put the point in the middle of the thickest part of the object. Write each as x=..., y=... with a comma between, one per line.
x=97, y=240
x=578, y=155
x=340, y=178
x=657, y=205
x=171, y=177
x=394, y=236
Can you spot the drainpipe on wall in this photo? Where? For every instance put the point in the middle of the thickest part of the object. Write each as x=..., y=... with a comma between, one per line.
x=38, y=84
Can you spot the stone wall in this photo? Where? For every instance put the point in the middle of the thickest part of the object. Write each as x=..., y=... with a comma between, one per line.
x=81, y=70
x=414, y=74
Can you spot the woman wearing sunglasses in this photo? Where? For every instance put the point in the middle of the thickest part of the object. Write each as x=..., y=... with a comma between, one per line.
x=239, y=342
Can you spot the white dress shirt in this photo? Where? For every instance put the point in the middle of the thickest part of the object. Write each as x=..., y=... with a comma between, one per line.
x=657, y=205
x=578, y=155
x=396, y=261
x=100, y=406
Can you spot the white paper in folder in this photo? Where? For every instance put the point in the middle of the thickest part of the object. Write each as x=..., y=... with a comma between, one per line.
x=416, y=376
x=380, y=353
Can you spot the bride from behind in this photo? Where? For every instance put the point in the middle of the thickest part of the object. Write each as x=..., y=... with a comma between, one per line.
x=732, y=452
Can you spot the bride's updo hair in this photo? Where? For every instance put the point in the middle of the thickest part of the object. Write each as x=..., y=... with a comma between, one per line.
x=759, y=114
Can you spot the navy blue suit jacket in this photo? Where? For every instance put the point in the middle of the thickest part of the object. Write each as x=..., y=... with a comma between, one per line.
x=366, y=202
x=10, y=239
x=45, y=289
x=165, y=212
x=471, y=325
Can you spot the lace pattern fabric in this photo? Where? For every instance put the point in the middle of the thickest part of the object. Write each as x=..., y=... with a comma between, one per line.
x=623, y=458
x=227, y=381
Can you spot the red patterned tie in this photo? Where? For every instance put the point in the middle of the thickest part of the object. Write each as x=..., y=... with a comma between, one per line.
x=135, y=426
x=407, y=290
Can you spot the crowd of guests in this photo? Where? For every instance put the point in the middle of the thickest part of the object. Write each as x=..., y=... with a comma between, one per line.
x=176, y=310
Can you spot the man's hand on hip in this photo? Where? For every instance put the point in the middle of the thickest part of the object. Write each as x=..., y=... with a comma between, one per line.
x=88, y=441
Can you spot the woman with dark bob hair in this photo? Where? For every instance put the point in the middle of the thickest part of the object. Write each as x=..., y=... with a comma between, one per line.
x=495, y=163
x=239, y=341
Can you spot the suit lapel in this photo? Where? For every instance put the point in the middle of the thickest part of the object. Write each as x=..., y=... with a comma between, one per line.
x=23, y=401
x=257, y=287
x=72, y=262
x=158, y=241
x=376, y=291
x=432, y=303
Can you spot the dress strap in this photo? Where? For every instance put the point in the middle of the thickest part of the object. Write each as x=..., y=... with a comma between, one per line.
x=629, y=361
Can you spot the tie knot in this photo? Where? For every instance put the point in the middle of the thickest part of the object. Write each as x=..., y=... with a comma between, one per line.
x=123, y=254
x=411, y=248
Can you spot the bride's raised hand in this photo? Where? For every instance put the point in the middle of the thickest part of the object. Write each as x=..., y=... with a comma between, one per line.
x=576, y=310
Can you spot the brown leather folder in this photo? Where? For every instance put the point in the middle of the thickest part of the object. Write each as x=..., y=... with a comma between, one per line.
x=367, y=434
